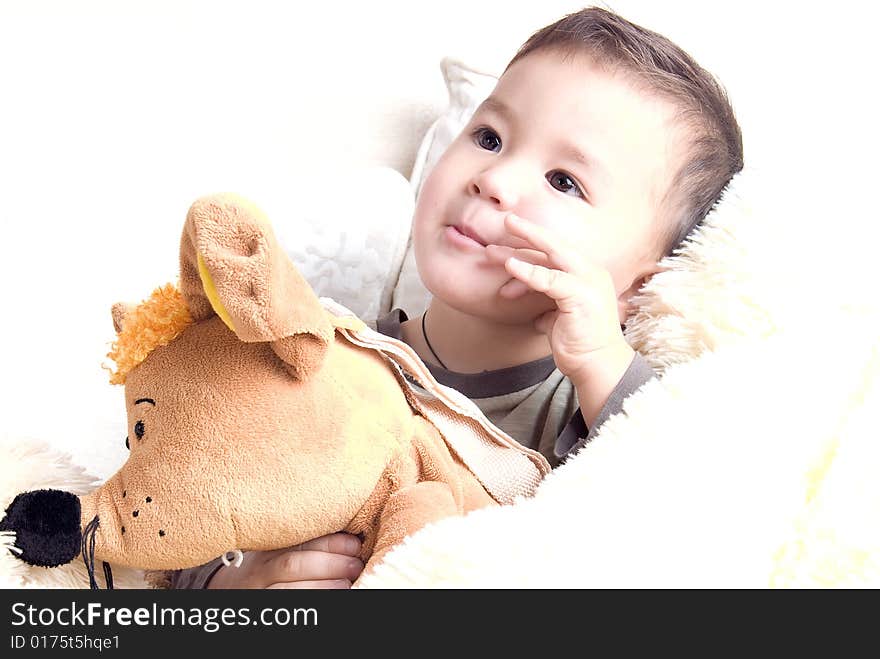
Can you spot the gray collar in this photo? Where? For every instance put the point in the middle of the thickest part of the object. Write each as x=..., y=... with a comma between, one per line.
x=487, y=384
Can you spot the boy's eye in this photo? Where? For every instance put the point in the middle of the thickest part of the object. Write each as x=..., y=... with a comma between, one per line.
x=564, y=183
x=488, y=139
x=139, y=429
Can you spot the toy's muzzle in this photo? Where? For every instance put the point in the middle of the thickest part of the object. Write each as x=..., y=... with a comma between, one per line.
x=46, y=525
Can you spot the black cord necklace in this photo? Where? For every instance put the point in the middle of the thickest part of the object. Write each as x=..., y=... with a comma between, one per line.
x=425, y=334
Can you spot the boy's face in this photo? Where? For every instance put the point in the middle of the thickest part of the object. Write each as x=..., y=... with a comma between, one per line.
x=521, y=153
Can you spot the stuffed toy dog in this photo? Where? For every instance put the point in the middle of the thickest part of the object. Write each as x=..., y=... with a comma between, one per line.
x=260, y=416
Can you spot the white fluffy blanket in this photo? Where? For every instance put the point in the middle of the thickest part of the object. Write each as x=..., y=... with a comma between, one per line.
x=751, y=461
x=31, y=465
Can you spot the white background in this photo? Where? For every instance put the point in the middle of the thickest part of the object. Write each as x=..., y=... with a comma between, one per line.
x=115, y=115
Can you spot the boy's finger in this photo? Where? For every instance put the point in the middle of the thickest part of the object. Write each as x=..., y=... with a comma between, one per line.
x=500, y=253
x=542, y=240
x=564, y=288
x=317, y=584
x=336, y=543
x=312, y=565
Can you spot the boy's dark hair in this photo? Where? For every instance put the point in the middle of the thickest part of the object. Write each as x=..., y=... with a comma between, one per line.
x=715, y=151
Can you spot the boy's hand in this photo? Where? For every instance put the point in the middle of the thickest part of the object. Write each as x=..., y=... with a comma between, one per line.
x=584, y=329
x=327, y=562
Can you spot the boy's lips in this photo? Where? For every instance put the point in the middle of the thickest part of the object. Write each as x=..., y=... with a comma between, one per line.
x=468, y=233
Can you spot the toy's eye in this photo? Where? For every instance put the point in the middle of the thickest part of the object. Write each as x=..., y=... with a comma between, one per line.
x=126, y=443
x=139, y=429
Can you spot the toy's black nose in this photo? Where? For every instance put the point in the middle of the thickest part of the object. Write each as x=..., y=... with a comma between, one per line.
x=46, y=525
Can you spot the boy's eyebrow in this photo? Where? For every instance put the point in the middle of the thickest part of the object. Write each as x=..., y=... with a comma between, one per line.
x=497, y=106
x=590, y=162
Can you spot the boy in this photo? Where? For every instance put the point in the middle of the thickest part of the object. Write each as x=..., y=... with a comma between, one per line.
x=601, y=147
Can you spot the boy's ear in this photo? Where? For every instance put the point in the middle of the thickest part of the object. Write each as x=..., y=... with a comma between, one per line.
x=625, y=306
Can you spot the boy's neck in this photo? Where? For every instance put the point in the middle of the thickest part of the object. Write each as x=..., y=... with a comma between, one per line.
x=470, y=344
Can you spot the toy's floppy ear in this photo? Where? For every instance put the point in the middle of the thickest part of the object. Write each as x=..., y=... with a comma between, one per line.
x=231, y=265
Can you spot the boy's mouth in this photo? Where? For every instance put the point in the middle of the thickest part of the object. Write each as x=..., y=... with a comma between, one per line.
x=469, y=234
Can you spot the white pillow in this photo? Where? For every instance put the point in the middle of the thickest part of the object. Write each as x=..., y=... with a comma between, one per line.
x=467, y=88
x=351, y=248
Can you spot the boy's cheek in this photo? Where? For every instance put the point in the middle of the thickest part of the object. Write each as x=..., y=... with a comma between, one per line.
x=567, y=224
x=432, y=187
x=426, y=205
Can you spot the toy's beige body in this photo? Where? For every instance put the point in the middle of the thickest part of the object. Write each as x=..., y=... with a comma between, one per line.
x=258, y=418
x=237, y=454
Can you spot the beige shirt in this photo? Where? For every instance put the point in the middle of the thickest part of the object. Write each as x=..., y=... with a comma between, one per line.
x=534, y=403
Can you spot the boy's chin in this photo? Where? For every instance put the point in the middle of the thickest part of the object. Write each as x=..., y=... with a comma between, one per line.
x=486, y=302
x=524, y=310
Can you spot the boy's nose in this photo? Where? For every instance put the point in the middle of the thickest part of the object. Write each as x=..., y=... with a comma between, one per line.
x=46, y=525
x=499, y=186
